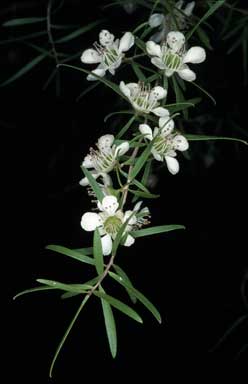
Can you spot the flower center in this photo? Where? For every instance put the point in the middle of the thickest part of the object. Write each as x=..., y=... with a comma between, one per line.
x=171, y=59
x=112, y=225
x=110, y=56
x=143, y=98
x=103, y=161
x=161, y=145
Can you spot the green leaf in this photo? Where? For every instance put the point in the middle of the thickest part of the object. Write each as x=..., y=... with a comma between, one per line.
x=141, y=26
x=31, y=290
x=85, y=251
x=81, y=288
x=204, y=91
x=31, y=64
x=78, y=32
x=110, y=326
x=138, y=72
x=155, y=230
x=87, y=90
x=205, y=137
x=211, y=10
x=119, y=235
x=23, y=21
x=60, y=346
x=125, y=128
x=74, y=254
x=126, y=112
x=108, y=83
x=138, y=295
x=145, y=195
x=98, y=256
x=135, y=182
x=141, y=161
x=124, y=308
x=88, y=283
x=122, y=274
x=93, y=183
x=204, y=38
x=23, y=37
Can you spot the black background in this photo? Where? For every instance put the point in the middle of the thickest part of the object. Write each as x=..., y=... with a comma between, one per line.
x=193, y=277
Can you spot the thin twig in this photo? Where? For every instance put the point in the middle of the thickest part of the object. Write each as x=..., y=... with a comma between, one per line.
x=49, y=32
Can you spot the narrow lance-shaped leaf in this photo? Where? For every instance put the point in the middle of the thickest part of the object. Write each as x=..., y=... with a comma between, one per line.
x=126, y=127
x=94, y=185
x=124, y=308
x=122, y=274
x=138, y=295
x=31, y=290
x=24, y=69
x=108, y=83
x=138, y=72
x=78, y=32
x=119, y=235
x=23, y=21
x=213, y=8
x=110, y=326
x=155, y=230
x=65, y=287
x=74, y=254
x=60, y=346
x=98, y=256
x=192, y=137
x=141, y=161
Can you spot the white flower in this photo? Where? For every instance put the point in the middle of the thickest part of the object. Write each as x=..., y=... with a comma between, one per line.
x=165, y=142
x=172, y=57
x=110, y=219
x=102, y=160
x=143, y=98
x=108, y=54
x=179, y=20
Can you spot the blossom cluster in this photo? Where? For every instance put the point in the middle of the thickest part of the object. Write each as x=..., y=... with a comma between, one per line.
x=168, y=52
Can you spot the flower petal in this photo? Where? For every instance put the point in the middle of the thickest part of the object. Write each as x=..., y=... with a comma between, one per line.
x=156, y=155
x=90, y=221
x=137, y=206
x=166, y=124
x=124, y=89
x=88, y=162
x=131, y=221
x=104, y=142
x=153, y=49
x=90, y=56
x=99, y=72
x=155, y=20
x=107, y=181
x=160, y=111
x=158, y=93
x=146, y=130
x=180, y=143
x=158, y=36
x=169, y=72
x=158, y=62
x=110, y=204
x=172, y=165
x=122, y=148
x=84, y=182
x=187, y=74
x=179, y=4
x=189, y=8
x=106, y=244
x=195, y=55
x=129, y=241
x=106, y=38
x=175, y=40
x=126, y=42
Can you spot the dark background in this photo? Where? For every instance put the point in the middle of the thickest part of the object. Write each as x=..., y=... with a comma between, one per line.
x=194, y=277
